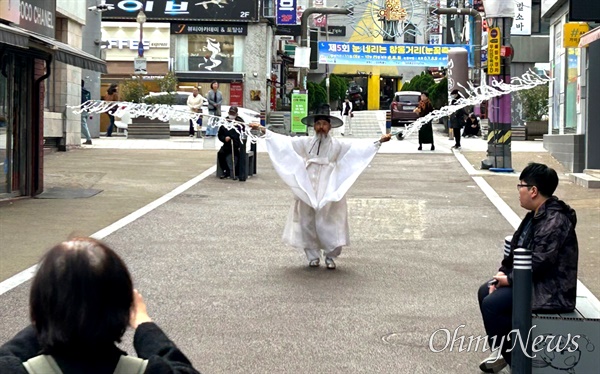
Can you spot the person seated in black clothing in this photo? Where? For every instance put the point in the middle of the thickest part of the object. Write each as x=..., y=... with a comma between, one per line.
x=472, y=126
x=233, y=148
x=81, y=302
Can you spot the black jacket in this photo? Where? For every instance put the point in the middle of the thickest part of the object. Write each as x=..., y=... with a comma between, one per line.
x=233, y=134
x=150, y=343
x=555, y=252
x=457, y=119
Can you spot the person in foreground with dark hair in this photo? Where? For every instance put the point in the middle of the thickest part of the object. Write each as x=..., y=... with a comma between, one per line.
x=548, y=230
x=81, y=302
x=319, y=170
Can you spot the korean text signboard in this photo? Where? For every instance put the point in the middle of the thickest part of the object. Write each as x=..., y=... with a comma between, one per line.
x=299, y=111
x=178, y=10
x=335, y=53
x=286, y=12
x=494, y=51
x=522, y=21
x=572, y=33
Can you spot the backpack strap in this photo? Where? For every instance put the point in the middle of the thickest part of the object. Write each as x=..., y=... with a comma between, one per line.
x=42, y=364
x=131, y=365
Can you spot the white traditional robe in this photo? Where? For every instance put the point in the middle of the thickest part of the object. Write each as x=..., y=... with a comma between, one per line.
x=319, y=176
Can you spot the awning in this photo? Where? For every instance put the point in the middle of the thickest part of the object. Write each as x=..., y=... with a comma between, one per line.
x=589, y=37
x=12, y=36
x=62, y=52
x=69, y=55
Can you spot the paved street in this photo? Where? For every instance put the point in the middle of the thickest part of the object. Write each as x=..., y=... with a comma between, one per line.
x=216, y=276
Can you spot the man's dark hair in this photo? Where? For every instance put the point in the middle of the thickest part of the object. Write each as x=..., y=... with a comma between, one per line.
x=81, y=297
x=541, y=176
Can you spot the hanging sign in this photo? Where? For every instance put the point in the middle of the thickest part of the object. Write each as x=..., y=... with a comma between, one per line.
x=299, y=111
x=494, y=51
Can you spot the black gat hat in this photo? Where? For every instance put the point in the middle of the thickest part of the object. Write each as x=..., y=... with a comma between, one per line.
x=323, y=111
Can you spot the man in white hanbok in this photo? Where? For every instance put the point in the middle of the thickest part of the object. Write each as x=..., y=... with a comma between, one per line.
x=319, y=170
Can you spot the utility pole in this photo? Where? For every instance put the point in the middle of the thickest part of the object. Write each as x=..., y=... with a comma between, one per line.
x=500, y=16
x=304, y=34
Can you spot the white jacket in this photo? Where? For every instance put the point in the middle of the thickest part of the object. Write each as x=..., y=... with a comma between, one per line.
x=195, y=102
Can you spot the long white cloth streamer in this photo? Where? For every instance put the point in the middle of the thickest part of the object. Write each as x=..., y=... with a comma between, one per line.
x=475, y=95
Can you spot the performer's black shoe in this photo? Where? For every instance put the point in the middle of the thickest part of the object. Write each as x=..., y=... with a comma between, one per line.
x=433, y=147
x=223, y=176
x=330, y=263
x=420, y=148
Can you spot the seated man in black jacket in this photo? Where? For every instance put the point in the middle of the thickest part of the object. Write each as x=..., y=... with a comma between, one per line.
x=81, y=302
x=233, y=150
x=548, y=230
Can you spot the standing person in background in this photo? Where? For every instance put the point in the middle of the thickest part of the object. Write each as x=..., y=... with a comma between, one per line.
x=111, y=95
x=347, y=115
x=426, y=131
x=85, y=131
x=194, y=102
x=457, y=119
x=215, y=99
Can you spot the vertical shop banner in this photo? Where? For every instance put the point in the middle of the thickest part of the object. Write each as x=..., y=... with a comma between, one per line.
x=522, y=21
x=319, y=20
x=494, y=51
x=286, y=12
x=299, y=111
x=236, y=94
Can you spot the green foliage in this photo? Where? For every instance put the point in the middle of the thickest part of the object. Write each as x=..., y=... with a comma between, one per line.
x=134, y=90
x=167, y=99
x=168, y=83
x=535, y=102
x=438, y=94
x=421, y=83
x=337, y=87
x=316, y=95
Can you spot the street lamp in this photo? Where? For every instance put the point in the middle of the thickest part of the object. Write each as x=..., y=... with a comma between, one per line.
x=141, y=18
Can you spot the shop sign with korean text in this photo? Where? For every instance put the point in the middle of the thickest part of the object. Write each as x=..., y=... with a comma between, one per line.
x=178, y=10
x=494, y=59
x=388, y=54
x=573, y=32
x=286, y=12
x=522, y=21
x=209, y=29
x=299, y=111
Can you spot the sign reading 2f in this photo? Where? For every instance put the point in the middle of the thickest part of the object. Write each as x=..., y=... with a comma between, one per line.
x=286, y=12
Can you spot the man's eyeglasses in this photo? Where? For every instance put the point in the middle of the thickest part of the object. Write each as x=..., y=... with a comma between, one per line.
x=519, y=186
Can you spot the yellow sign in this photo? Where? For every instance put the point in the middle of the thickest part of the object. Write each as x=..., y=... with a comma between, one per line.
x=392, y=11
x=494, y=42
x=572, y=33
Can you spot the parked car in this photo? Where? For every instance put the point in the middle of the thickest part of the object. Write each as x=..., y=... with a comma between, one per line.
x=403, y=107
x=182, y=126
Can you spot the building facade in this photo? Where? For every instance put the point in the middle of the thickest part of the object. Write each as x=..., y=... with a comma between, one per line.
x=41, y=70
x=200, y=42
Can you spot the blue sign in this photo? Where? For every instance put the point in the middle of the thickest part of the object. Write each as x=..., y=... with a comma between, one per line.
x=286, y=12
x=430, y=55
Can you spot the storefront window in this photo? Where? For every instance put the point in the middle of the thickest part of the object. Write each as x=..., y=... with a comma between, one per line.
x=571, y=91
x=4, y=139
x=209, y=53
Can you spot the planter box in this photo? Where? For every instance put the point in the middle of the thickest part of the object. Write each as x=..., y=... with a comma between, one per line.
x=536, y=129
x=146, y=128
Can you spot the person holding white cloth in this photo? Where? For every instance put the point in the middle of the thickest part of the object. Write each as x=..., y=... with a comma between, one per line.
x=319, y=170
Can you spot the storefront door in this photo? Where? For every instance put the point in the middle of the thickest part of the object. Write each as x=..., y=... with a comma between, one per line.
x=16, y=145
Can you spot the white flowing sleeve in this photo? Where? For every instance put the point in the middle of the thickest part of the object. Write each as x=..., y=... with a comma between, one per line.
x=353, y=159
x=291, y=166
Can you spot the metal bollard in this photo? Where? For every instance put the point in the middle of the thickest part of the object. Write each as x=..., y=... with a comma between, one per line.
x=388, y=122
x=507, y=240
x=263, y=118
x=521, y=311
